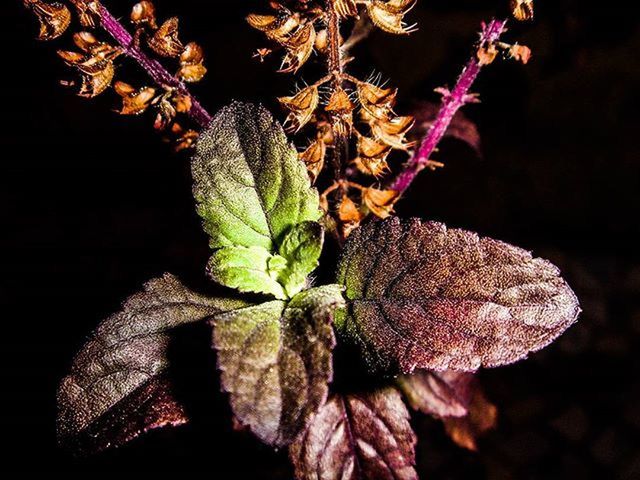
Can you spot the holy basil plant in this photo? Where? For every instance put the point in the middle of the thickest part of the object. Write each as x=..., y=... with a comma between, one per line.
x=415, y=298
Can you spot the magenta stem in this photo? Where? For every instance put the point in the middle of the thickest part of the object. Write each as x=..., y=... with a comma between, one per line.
x=451, y=103
x=154, y=69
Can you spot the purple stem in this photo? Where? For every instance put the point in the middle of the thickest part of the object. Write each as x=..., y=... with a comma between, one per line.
x=451, y=103
x=153, y=68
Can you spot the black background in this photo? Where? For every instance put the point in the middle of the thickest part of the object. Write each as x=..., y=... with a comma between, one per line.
x=93, y=204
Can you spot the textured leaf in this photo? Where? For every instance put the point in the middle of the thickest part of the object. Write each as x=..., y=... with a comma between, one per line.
x=251, y=190
x=118, y=387
x=422, y=296
x=482, y=416
x=249, y=269
x=302, y=248
x=275, y=360
x=254, y=269
x=358, y=436
x=441, y=394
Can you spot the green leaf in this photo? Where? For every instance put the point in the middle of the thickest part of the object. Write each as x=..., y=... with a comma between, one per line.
x=254, y=269
x=275, y=361
x=119, y=385
x=249, y=269
x=302, y=248
x=253, y=192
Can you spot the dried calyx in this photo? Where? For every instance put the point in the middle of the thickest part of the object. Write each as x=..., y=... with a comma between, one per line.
x=94, y=62
x=353, y=120
x=355, y=128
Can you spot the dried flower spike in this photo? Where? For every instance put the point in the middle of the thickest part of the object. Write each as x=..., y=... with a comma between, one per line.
x=54, y=18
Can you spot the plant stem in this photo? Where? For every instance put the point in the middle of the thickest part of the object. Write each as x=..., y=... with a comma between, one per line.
x=334, y=65
x=451, y=103
x=152, y=67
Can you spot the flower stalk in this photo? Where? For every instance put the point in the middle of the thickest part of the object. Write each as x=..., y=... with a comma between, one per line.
x=452, y=101
x=152, y=67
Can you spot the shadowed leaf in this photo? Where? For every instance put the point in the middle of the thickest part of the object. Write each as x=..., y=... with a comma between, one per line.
x=441, y=394
x=422, y=296
x=482, y=416
x=275, y=361
x=358, y=436
x=118, y=387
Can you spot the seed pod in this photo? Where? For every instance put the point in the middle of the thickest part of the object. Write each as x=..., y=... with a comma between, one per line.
x=301, y=107
x=380, y=202
x=389, y=16
x=165, y=41
x=313, y=157
x=54, y=18
x=345, y=8
x=298, y=47
x=522, y=9
x=144, y=13
x=134, y=101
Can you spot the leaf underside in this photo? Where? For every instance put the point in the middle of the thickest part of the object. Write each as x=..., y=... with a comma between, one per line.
x=420, y=295
x=275, y=361
x=357, y=436
x=441, y=394
x=118, y=387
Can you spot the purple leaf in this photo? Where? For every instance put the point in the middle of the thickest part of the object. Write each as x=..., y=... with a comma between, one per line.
x=358, y=436
x=441, y=394
x=454, y=397
x=422, y=296
x=276, y=361
x=460, y=128
x=118, y=386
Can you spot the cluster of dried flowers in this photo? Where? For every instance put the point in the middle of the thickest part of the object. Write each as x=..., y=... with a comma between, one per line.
x=354, y=122
x=95, y=60
x=343, y=109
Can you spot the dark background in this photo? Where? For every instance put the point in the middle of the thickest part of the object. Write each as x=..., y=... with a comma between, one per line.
x=93, y=205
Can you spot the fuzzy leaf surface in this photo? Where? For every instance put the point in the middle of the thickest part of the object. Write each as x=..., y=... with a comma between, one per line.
x=249, y=269
x=276, y=361
x=356, y=437
x=420, y=295
x=251, y=190
x=118, y=386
